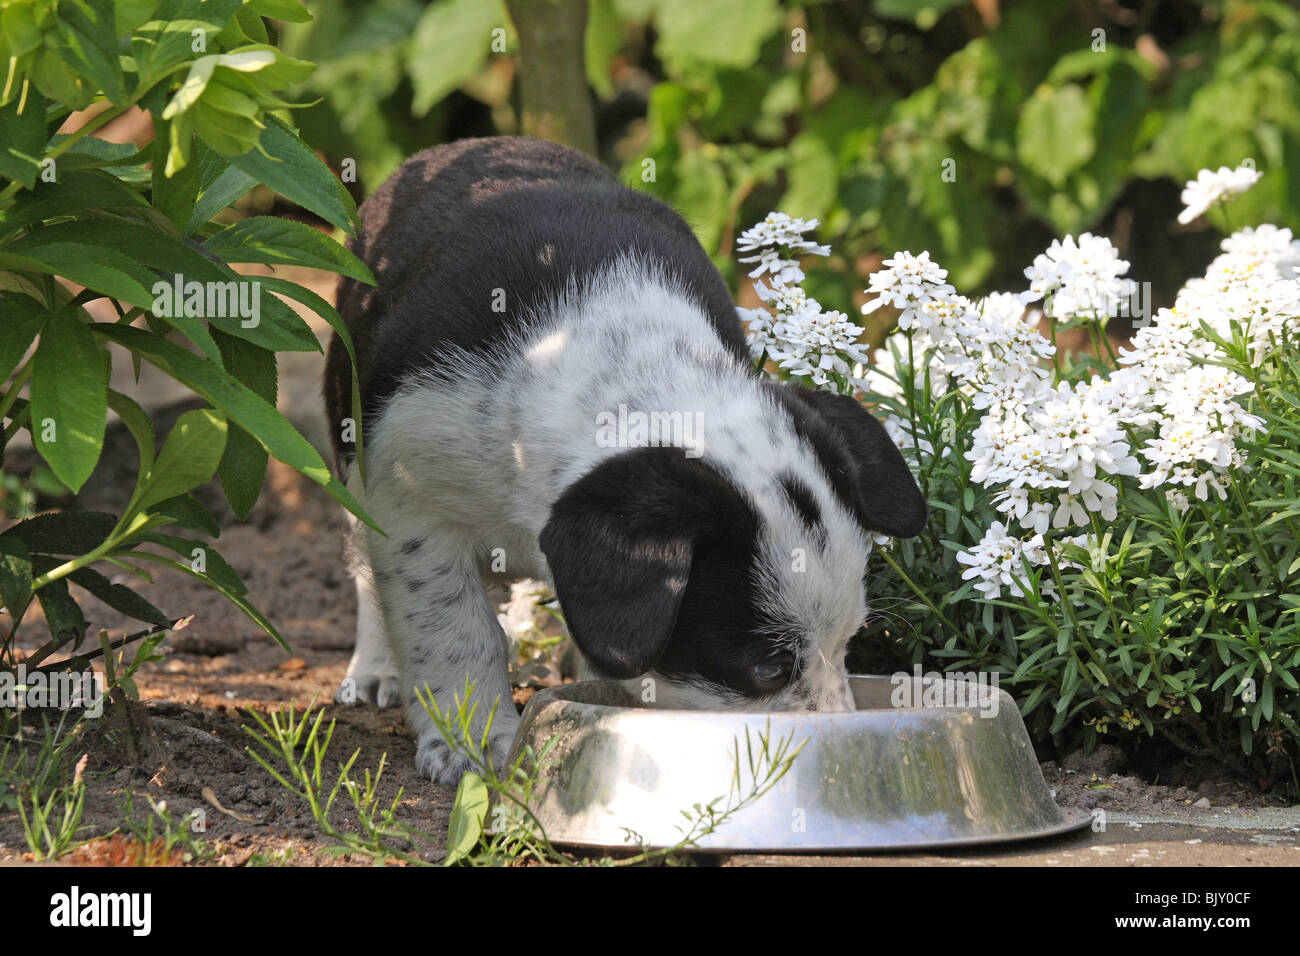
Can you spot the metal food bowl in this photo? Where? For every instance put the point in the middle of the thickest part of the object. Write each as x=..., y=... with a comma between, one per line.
x=897, y=773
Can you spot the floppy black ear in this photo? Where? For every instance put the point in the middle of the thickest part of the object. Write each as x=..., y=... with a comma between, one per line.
x=884, y=495
x=620, y=542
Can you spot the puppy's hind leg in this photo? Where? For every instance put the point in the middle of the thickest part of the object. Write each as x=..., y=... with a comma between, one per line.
x=372, y=673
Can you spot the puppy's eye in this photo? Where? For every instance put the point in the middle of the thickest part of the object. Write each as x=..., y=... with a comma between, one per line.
x=773, y=672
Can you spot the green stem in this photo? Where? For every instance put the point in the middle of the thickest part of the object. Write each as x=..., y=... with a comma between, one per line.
x=11, y=395
x=925, y=598
x=1056, y=348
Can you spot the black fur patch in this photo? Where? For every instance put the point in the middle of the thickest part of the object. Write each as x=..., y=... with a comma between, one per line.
x=653, y=556
x=459, y=222
x=865, y=468
x=801, y=499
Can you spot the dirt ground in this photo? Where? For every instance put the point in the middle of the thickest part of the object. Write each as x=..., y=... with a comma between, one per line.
x=188, y=746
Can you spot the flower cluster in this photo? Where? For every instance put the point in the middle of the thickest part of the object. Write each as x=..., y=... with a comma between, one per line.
x=1053, y=452
x=999, y=559
x=793, y=330
x=1079, y=279
x=1211, y=188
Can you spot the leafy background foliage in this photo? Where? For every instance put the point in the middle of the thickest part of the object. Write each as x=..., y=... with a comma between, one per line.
x=1047, y=135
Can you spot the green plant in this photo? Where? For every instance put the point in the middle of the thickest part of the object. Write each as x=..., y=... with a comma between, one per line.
x=293, y=750
x=1116, y=536
x=162, y=838
x=108, y=252
x=299, y=745
x=49, y=805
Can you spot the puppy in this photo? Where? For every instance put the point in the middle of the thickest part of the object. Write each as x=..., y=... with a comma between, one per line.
x=556, y=385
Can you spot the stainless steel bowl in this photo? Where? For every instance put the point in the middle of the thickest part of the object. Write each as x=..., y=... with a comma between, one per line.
x=884, y=776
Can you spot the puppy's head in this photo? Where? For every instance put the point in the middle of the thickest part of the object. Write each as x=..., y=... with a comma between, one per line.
x=735, y=580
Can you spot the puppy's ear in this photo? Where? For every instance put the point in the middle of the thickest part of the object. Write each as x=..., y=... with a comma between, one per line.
x=880, y=488
x=620, y=542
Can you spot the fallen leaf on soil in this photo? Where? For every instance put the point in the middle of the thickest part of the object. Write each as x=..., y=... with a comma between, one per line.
x=294, y=664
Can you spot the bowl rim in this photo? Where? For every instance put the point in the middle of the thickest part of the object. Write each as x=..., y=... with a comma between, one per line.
x=556, y=694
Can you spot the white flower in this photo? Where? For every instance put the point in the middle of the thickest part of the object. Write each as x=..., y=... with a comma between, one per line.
x=779, y=230
x=814, y=344
x=1209, y=188
x=523, y=616
x=906, y=282
x=1083, y=278
x=995, y=562
x=1266, y=243
x=770, y=261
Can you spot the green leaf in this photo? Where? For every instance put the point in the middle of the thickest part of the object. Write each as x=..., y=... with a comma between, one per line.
x=131, y=14
x=23, y=318
x=278, y=326
x=291, y=11
x=1055, y=133
x=243, y=466
x=69, y=404
x=22, y=140
x=218, y=569
x=90, y=152
x=602, y=40
x=138, y=424
x=188, y=512
x=221, y=185
x=286, y=164
x=272, y=240
x=119, y=597
x=218, y=576
x=101, y=269
x=714, y=32
x=89, y=45
x=165, y=42
x=451, y=42
x=188, y=458
x=60, y=532
x=77, y=191
x=62, y=615
x=15, y=578
x=174, y=196
x=241, y=404
x=702, y=197
x=813, y=178
x=465, y=828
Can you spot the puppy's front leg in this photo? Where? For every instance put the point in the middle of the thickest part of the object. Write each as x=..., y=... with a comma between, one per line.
x=442, y=631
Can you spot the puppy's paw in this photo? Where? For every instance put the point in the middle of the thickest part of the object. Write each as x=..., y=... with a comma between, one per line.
x=436, y=760
x=379, y=690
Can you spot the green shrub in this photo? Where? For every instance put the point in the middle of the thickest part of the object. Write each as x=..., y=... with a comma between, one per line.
x=82, y=219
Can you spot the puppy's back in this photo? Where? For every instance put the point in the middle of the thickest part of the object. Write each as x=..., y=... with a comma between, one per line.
x=472, y=239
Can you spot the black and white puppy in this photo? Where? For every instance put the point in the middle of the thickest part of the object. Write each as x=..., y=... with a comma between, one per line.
x=526, y=302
